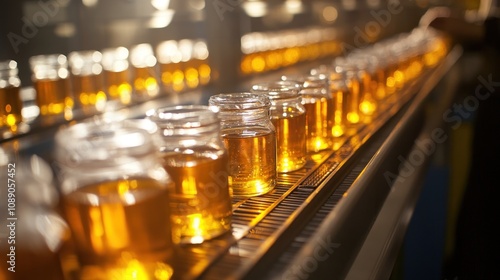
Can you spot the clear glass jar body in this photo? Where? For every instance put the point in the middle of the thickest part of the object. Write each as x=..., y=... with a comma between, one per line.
x=340, y=93
x=50, y=76
x=352, y=81
x=250, y=139
x=367, y=85
x=115, y=195
x=195, y=158
x=88, y=79
x=32, y=228
x=288, y=116
x=10, y=99
x=319, y=105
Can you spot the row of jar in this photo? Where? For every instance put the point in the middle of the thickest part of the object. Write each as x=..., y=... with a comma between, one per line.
x=92, y=80
x=133, y=189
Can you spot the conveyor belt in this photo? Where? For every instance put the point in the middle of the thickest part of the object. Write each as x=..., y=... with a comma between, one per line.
x=264, y=226
x=269, y=230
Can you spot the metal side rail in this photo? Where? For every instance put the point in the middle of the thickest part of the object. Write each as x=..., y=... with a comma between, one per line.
x=378, y=254
x=264, y=227
x=328, y=247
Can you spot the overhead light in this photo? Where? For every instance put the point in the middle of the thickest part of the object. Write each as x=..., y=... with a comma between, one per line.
x=255, y=8
x=349, y=5
x=89, y=3
x=293, y=6
x=329, y=14
x=160, y=5
x=161, y=19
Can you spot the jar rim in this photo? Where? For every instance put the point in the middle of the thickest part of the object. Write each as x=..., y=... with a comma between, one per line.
x=184, y=116
x=91, y=141
x=55, y=59
x=278, y=89
x=239, y=101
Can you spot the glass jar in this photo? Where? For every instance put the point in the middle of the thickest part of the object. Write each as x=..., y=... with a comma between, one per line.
x=10, y=99
x=319, y=104
x=195, y=158
x=115, y=195
x=250, y=139
x=88, y=79
x=350, y=73
x=117, y=74
x=169, y=58
x=145, y=78
x=32, y=228
x=288, y=116
x=339, y=92
x=51, y=82
x=367, y=101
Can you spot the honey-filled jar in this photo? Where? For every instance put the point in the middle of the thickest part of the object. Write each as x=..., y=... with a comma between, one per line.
x=197, y=161
x=115, y=195
x=32, y=228
x=288, y=116
x=10, y=99
x=320, y=110
x=250, y=139
x=51, y=81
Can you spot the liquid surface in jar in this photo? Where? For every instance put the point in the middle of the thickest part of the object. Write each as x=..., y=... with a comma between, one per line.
x=53, y=96
x=114, y=218
x=291, y=142
x=10, y=111
x=201, y=203
x=319, y=115
x=252, y=160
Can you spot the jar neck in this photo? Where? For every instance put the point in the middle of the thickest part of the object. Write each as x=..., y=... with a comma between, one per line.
x=245, y=115
x=186, y=138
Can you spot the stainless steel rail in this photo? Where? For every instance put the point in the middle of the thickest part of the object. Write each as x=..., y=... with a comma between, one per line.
x=334, y=199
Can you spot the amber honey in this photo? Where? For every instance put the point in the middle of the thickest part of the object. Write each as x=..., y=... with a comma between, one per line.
x=319, y=124
x=367, y=103
x=254, y=156
x=172, y=76
x=339, y=110
x=53, y=97
x=201, y=204
x=353, y=99
x=291, y=142
x=118, y=86
x=89, y=89
x=120, y=218
x=380, y=79
x=145, y=82
x=11, y=106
